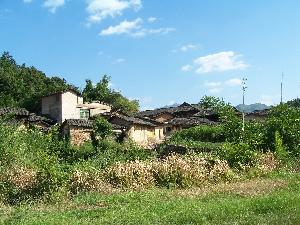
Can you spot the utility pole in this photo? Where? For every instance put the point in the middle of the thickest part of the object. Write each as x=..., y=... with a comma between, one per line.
x=244, y=87
x=281, y=84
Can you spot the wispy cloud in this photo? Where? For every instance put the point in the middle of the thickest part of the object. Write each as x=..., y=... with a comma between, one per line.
x=52, y=5
x=188, y=47
x=125, y=26
x=27, y=1
x=118, y=61
x=151, y=19
x=219, y=62
x=215, y=87
x=186, y=68
x=101, y=9
x=133, y=28
x=234, y=82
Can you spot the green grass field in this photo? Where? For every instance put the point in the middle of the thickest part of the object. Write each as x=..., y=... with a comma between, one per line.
x=272, y=200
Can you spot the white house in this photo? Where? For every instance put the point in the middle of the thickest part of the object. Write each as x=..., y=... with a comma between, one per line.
x=69, y=104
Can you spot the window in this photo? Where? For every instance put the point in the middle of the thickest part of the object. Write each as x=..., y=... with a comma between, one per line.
x=84, y=113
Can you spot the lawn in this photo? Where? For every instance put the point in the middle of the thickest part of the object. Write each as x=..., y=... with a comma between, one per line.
x=269, y=200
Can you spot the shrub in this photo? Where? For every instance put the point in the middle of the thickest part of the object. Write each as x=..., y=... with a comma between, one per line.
x=237, y=155
x=280, y=150
x=202, y=133
x=285, y=120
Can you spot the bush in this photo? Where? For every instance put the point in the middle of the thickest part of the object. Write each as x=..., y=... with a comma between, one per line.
x=280, y=150
x=201, y=133
x=238, y=155
x=285, y=120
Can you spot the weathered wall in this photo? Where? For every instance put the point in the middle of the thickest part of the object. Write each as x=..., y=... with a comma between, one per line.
x=51, y=105
x=163, y=117
x=79, y=135
x=102, y=109
x=69, y=103
x=144, y=135
x=159, y=133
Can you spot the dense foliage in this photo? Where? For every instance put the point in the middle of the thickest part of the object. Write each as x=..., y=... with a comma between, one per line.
x=294, y=103
x=102, y=92
x=23, y=86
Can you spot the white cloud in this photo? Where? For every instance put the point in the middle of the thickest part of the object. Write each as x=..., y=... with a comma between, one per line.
x=52, y=5
x=186, y=68
x=188, y=47
x=143, y=32
x=27, y=1
x=119, y=60
x=124, y=27
x=101, y=9
x=133, y=28
x=218, y=62
x=213, y=84
x=151, y=19
x=234, y=82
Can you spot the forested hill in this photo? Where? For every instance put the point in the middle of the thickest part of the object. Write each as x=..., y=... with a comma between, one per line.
x=23, y=86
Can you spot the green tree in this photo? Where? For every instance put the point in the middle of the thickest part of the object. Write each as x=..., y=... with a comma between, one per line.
x=294, y=103
x=102, y=92
x=22, y=86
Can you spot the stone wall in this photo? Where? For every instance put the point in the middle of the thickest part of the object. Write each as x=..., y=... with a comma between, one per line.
x=79, y=135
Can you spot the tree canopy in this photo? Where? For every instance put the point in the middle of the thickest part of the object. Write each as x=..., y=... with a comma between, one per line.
x=294, y=103
x=102, y=92
x=22, y=86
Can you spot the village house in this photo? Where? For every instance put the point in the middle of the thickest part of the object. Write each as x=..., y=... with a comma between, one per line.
x=180, y=117
x=77, y=130
x=69, y=104
x=146, y=128
x=23, y=119
x=144, y=132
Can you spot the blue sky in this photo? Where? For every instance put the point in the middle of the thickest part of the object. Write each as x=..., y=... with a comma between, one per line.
x=159, y=51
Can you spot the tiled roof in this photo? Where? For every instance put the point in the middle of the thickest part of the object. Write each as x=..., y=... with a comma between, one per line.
x=132, y=120
x=35, y=118
x=79, y=123
x=14, y=111
x=185, y=107
x=205, y=112
x=258, y=113
x=191, y=121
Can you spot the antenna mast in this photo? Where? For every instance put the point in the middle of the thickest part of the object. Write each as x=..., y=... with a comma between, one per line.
x=281, y=84
x=244, y=87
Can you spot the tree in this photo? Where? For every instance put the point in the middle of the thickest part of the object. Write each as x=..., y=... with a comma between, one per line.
x=102, y=92
x=294, y=103
x=22, y=86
